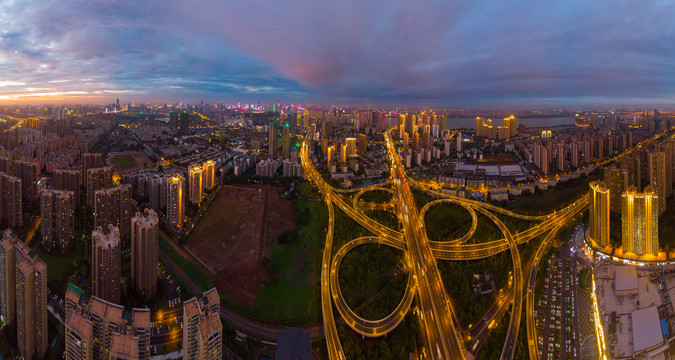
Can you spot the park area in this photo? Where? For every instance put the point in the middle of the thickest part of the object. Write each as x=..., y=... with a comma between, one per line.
x=263, y=251
x=130, y=161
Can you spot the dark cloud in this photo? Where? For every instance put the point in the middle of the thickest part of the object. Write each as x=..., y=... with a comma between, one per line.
x=446, y=52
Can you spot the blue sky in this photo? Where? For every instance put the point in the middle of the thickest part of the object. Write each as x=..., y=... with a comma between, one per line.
x=565, y=53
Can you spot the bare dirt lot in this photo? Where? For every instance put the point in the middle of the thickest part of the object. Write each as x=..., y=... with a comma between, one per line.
x=231, y=237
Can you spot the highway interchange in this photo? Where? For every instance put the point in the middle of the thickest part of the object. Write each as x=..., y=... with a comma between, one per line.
x=444, y=339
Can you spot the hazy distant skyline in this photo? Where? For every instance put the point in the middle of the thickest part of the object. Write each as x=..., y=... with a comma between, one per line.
x=379, y=52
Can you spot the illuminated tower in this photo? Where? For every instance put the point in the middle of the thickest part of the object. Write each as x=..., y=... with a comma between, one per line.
x=175, y=201
x=351, y=146
x=599, y=213
x=272, y=139
x=480, y=122
x=196, y=182
x=640, y=221
x=209, y=174
x=426, y=137
x=363, y=144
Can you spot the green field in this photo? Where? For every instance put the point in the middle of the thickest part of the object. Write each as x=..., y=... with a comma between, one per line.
x=292, y=294
x=189, y=268
x=123, y=161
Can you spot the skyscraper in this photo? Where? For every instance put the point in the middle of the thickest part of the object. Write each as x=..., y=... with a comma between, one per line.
x=640, y=221
x=617, y=180
x=68, y=180
x=209, y=174
x=196, y=182
x=144, y=252
x=363, y=144
x=106, y=257
x=31, y=306
x=286, y=146
x=656, y=175
x=28, y=172
x=173, y=120
x=113, y=206
x=11, y=201
x=79, y=337
x=98, y=178
x=90, y=161
x=184, y=125
x=8, y=275
x=175, y=201
x=57, y=227
x=599, y=213
x=272, y=139
x=202, y=328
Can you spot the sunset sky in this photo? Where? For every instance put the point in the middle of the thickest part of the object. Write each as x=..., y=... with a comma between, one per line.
x=574, y=52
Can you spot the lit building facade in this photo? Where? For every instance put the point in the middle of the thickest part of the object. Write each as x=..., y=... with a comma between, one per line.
x=196, y=182
x=57, y=227
x=144, y=252
x=640, y=221
x=175, y=200
x=599, y=213
x=106, y=261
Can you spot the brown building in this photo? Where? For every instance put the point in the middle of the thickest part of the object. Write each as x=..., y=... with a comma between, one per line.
x=68, y=180
x=57, y=210
x=617, y=181
x=79, y=337
x=11, y=201
x=144, y=252
x=90, y=161
x=202, y=328
x=106, y=261
x=28, y=173
x=98, y=178
x=113, y=206
x=31, y=306
x=116, y=330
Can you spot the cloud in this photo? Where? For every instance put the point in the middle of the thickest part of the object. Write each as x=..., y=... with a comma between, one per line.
x=388, y=51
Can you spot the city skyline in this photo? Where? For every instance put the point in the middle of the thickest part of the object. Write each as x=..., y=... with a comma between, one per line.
x=376, y=53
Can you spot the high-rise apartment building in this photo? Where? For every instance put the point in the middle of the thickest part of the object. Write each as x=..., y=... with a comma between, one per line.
x=184, y=124
x=196, y=183
x=209, y=174
x=79, y=337
x=144, y=252
x=8, y=245
x=599, y=212
x=656, y=175
x=57, y=227
x=113, y=206
x=89, y=161
x=117, y=333
x=68, y=180
x=28, y=172
x=31, y=306
x=11, y=200
x=106, y=258
x=272, y=139
x=157, y=192
x=175, y=200
x=363, y=144
x=202, y=328
x=286, y=138
x=97, y=179
x=617, y=181
x=640, y=221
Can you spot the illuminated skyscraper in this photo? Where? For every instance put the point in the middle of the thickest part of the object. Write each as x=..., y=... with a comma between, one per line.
x=640, y=221
x=175, y=200
x=97, y=179
x=329, y=155
x=28, y=173
x=363, y=144
x=90, y=161
x=68, y=180
x=209, y=174
x=426, y=137
x=57, y=210
x=599, y=213
x=106, y=257
x=144, y=252
x=196, y=182
x=351, y=146
x=480, y=122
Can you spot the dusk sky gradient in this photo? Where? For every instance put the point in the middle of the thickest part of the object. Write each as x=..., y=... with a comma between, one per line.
x=578, y=52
